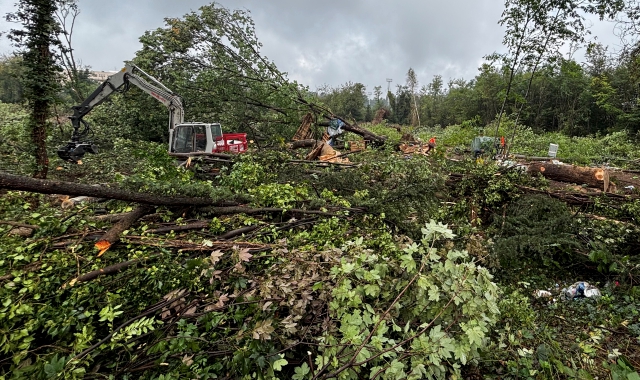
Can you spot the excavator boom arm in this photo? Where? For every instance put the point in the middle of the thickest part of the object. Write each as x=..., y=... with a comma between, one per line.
x=119, y=82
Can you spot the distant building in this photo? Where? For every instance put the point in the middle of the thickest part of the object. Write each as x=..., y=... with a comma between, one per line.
x=100, y=76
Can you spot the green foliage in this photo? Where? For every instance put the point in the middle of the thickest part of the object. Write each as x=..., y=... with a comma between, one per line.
x=421, y=302
x=158, y=173
x=277, y=195
x=14, y=137
x=246, y=174
x=536, y=229
x=347, y=101
x=11, y=88
x=347, y=296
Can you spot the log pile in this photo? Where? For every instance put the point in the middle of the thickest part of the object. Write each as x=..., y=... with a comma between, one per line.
x=325, y=153
x=414, y=148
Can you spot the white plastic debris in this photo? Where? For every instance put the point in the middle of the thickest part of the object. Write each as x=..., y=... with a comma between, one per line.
x=542, y=294
x=581, y=290
x=630, y=187
x=71, y=202
x=512, y=164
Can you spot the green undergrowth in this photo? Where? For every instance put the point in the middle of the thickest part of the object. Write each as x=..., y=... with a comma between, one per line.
x=338, y=293
x=405, y=267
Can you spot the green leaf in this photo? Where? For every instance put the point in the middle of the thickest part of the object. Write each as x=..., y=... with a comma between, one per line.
x=475, y=335
x=434, y=293
x=633, y=376
x=433, y=230
x=408, y=263
x=281, y=362
x=301, y=372
x=396, y=369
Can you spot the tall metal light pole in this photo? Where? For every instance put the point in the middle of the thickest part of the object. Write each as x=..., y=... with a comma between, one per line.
x=389, y=80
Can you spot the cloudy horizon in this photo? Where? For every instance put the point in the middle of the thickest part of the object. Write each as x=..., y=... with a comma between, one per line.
x=319, y=44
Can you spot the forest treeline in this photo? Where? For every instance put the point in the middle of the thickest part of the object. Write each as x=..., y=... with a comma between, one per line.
x=597, y=96
x=578, y=99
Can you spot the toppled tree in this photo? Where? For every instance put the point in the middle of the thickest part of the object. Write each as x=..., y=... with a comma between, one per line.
x=212, y=59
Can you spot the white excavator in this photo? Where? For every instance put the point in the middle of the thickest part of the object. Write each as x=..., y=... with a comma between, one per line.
x=185, y=138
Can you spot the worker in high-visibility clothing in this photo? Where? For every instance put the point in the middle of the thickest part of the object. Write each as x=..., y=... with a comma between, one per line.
x=431, y=145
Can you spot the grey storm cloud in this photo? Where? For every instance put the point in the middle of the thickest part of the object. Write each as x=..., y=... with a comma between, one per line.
x=315, y=42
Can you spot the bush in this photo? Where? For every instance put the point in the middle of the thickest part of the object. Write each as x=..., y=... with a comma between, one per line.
x=536, y=229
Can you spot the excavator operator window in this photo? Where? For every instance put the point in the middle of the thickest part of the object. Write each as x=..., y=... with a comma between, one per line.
x=184, y=137
x=201, y=138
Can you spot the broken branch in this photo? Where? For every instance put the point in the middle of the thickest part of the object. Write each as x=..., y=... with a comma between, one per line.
x=113, y=235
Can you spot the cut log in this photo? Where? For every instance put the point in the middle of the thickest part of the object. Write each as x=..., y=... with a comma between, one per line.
x=309, y=143
x=593, y=177
x=113, y=235
x=14, y=182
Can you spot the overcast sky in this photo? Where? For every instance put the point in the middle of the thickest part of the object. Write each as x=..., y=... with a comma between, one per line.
x=317, y=41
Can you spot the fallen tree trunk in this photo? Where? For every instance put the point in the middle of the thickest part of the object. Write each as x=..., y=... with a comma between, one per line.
x=14, y=182
x=264, y=210
x=187, y=227
x=18, y=224
x=364, y=133
x=238, y=232
x=113, y=235
x=367, y=135
x=594, y=177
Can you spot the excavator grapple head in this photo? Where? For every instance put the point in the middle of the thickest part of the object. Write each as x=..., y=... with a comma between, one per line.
x=74, y=151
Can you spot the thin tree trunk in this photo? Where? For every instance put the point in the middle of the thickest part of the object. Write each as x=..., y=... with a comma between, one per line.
x=511, y=76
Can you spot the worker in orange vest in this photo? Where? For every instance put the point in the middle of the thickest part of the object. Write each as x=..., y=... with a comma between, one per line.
x=431, y=145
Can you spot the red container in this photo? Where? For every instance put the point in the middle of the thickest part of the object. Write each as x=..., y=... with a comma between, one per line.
x=231, y=142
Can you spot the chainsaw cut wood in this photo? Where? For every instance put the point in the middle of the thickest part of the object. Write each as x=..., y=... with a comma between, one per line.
x=594, y=177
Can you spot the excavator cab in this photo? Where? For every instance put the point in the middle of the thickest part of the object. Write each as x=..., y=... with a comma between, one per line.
x=195, y=138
